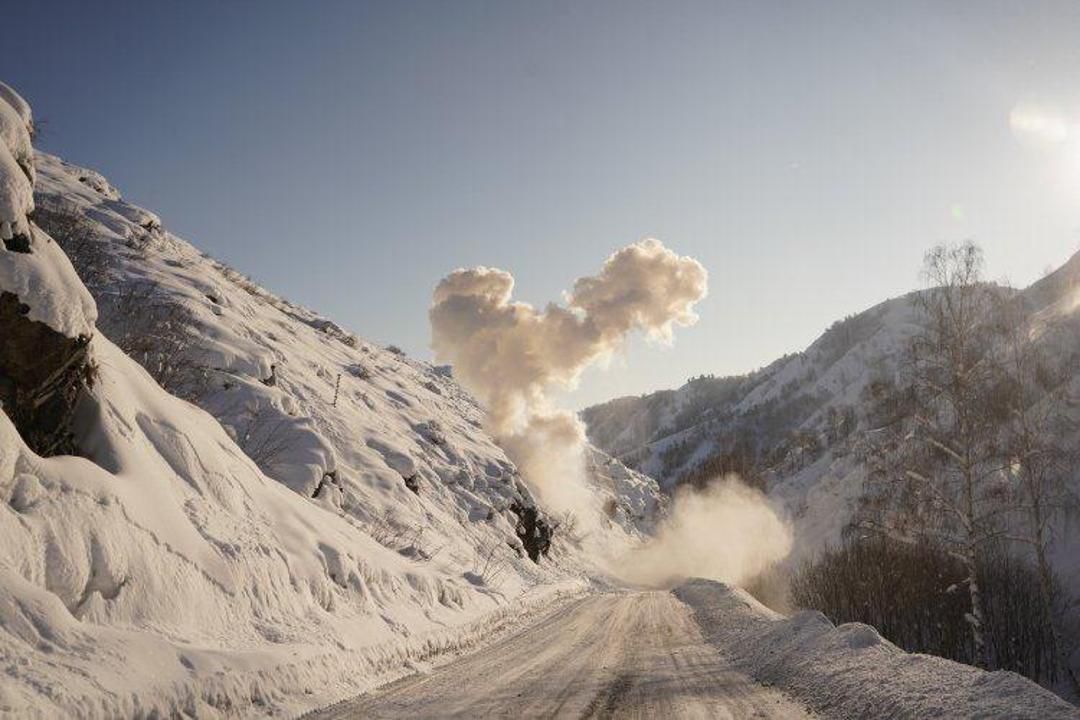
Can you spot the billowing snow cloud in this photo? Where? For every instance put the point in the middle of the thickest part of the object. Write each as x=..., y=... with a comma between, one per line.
x=726, y=531
x=511, y=354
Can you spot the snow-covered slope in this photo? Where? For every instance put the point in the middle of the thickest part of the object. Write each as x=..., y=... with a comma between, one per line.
x=325, y=515
x=796, y=426
x=786, y=427
x=364, y=429
x=169, y=574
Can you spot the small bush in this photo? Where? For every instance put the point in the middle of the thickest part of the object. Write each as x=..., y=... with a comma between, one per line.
x=78, y=238
x=157, y=332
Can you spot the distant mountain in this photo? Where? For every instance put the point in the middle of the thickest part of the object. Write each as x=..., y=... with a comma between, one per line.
x=793, y=426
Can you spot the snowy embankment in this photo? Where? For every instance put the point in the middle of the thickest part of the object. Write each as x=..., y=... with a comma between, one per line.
x=850, y=671
x=178, y=579
x=170, y=569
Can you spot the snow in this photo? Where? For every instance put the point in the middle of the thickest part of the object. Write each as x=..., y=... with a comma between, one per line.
x=617, y=654
x=42, y=278
x=259, y=550
x=15, y=101
x=324, y=516
x=850, y=671
x=131, y=584
x=16, y=187
x=45, y=281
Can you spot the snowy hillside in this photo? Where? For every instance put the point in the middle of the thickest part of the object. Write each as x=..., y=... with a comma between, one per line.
x=796, y=426
x=327, y=514
x=786, y=427
x=380, y=437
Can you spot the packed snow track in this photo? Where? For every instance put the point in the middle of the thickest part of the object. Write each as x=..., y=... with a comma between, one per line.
x=632, y=655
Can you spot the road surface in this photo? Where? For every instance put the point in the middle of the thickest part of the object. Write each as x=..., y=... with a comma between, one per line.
x=617, y=655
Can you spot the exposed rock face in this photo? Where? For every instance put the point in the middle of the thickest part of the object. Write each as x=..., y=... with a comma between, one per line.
x=42, y=373
x=534, y=531
x=46, y=315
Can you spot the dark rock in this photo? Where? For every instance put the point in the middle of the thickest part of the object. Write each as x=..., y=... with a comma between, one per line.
x=533, y=529
x=42, y=375
x=329, y=478
x=18, y=243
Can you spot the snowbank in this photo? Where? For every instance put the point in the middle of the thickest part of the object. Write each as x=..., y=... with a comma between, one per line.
x=850, y=671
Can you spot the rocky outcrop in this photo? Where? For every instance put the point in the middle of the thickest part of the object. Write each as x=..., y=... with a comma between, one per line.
x=533, y=530
x=46, y=315
x=42, y=373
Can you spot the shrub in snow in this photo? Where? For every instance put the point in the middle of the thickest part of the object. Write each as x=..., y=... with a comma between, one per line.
x=358, y=371
x=157, y=331
x=77, y=236
x=491, y=564
x=914, y=595
x=432, y=431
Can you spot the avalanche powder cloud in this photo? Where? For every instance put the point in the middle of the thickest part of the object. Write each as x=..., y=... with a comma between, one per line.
x=511, y=354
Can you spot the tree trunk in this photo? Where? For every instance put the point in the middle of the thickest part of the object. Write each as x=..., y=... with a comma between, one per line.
x=1047, y=586
x=976, y=618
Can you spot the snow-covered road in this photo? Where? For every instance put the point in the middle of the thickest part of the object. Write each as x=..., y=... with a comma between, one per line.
x=633, y=654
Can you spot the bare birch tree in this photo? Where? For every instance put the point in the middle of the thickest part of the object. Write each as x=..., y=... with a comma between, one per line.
x=1035, y=459
x=939, y=475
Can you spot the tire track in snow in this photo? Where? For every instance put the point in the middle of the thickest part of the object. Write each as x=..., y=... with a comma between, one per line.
x=616, y=655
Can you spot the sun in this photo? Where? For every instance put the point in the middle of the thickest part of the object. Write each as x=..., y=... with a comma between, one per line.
x=1053, y=133
x=1031, y=123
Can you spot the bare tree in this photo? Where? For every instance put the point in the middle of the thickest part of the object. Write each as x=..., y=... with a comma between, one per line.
x=491, y=563
x=938, y=475
x=1035, y=461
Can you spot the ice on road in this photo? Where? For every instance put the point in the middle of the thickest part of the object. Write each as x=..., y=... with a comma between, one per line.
x=624, y=655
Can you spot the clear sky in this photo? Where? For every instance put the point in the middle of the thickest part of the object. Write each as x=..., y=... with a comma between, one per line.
x=347, y=155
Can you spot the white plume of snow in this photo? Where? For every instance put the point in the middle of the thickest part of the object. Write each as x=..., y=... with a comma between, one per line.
x=726, y=531
x=512, y=355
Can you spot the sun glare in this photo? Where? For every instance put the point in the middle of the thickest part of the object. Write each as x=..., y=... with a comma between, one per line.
x=1034, y=123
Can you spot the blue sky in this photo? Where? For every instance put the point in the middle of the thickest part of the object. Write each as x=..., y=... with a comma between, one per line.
x=348, y=155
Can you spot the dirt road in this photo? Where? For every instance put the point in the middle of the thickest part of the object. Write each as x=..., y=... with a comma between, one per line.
x=618, y=655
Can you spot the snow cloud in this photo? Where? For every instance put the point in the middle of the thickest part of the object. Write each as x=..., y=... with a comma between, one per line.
x=512, y=355
x=727, y=532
